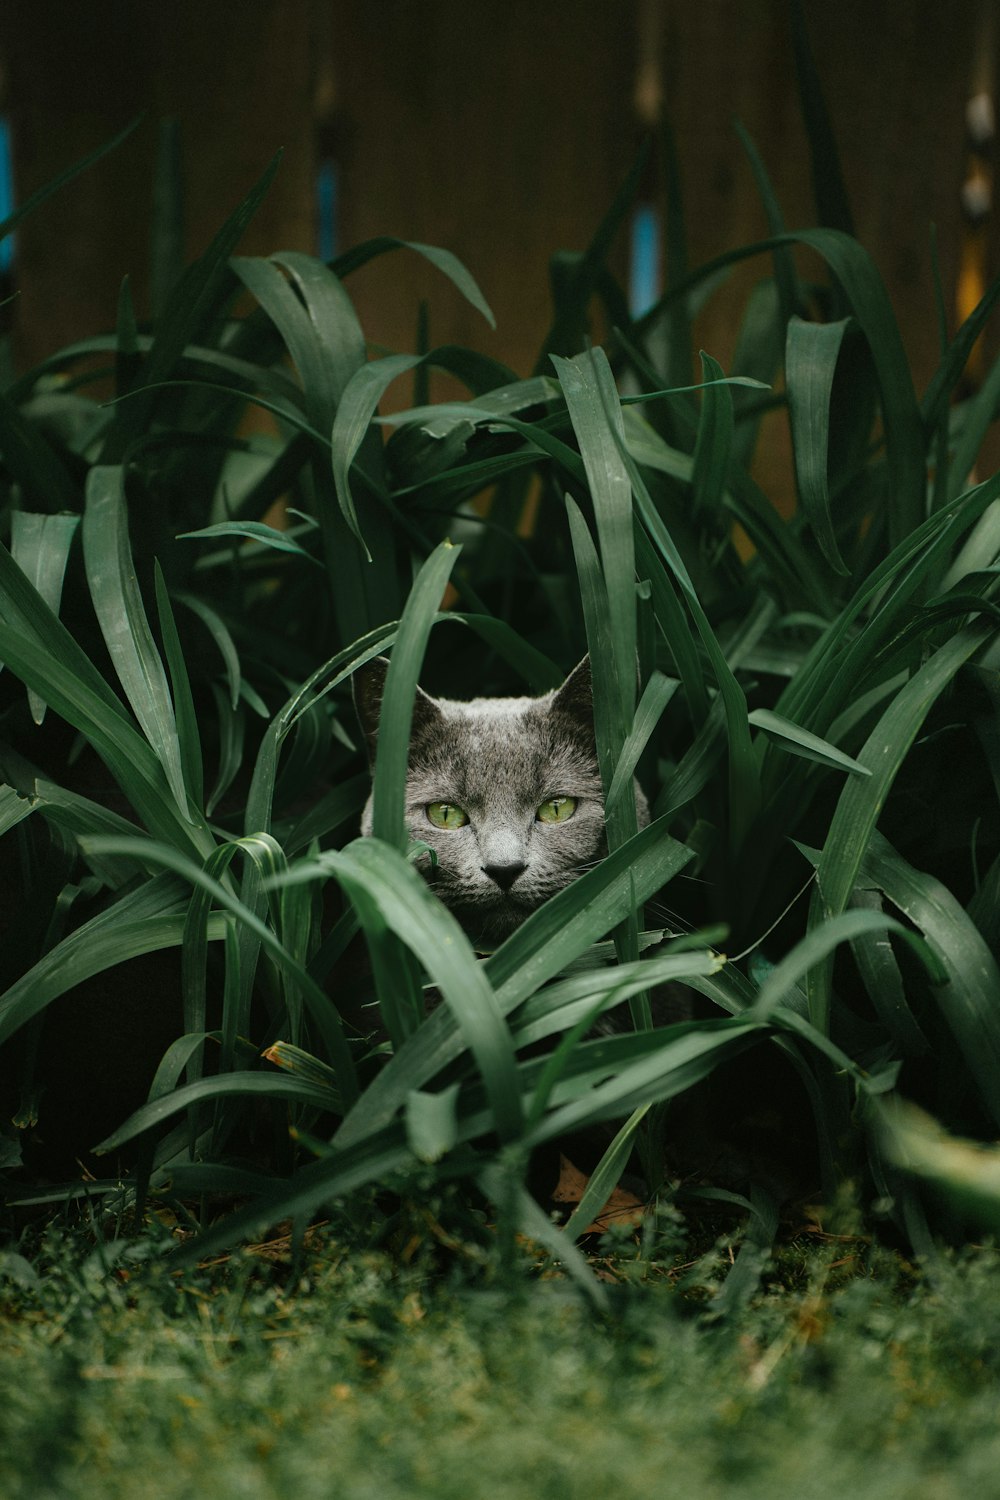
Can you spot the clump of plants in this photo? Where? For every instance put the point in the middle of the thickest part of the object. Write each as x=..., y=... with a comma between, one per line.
x=185, y=594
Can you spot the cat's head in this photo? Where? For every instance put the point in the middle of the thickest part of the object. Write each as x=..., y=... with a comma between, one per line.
x=506, y=791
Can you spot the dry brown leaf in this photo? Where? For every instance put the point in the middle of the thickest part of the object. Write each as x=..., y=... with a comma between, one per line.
x=621, y=1208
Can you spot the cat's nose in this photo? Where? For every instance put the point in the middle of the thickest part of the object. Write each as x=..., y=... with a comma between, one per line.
x=505, y=874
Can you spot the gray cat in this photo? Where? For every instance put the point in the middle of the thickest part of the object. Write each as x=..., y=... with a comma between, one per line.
x=506, y=791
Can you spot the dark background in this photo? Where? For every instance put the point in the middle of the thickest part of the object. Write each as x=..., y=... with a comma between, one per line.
x=498, y=130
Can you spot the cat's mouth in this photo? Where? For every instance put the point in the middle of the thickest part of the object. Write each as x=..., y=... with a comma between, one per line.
x=494, y=916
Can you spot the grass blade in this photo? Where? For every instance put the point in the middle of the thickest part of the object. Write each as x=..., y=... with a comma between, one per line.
x=408, y=907
x=605, y=1176
x=968, y=1001
x=41, y=194
x=45, y=656
x=791, y=737
x=811, y=353
x=443, y=260
x=657, y=694
x=592, y=402
x=832, y=204
x=40, y=546
x=714, y=443
x=122, y=618
x=396, y=718
x=193, y=302
x=882, y=979
x=245, y=1083
x=862, y=798
x=358, y=404
x=321, y=1009
x=188, y=736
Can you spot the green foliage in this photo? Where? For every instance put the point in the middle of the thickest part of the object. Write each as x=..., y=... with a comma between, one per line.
x=817, y=714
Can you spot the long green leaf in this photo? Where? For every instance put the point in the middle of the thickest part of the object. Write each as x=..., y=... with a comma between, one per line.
x=389, y=781
x=45, y=656
x=13, y=808
x=321, y=1182
x=407, y=905
x=255, y=1085
x=744, y=779
x=40, y=546
x=811, y=353
x=790, y=294
x=862, y=798
x=657, y=694
x=904, y=433
x=970, y=1001
x=882, y=979
x=573, y=291
x=605, y=1176
x=714, y=442
x=326, y=356
x=592, y=403
x=358, y=404
x=561, y=1005
x=443, y=261
x=669, y=1064
x=193, y=301
x=320, y=1006
x=122, y=618
x=251, y=531
x=865, y=291
x=608, y=721
x=39, y=196
x=188, y=735
x=799, y=741
x=818, y=944
x=832, y=203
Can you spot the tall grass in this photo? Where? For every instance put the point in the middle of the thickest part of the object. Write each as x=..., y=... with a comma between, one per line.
x=814, y=723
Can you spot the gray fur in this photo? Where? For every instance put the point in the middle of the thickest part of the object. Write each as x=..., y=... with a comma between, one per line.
x=499, y=759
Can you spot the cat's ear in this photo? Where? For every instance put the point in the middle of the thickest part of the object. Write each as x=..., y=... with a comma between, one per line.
x=368, y=687
x=575, y=699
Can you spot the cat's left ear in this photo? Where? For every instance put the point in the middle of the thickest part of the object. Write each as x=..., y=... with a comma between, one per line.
x=368, y=687
x=575, y=699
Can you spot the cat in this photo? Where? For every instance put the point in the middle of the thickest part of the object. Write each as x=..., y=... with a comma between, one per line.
x=506, y=792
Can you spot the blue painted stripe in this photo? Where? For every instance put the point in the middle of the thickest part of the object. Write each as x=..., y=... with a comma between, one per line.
x=327, y=193
x=6, y=195
x=644, y=266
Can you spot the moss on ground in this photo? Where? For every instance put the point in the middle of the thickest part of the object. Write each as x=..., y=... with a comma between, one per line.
x=357, y=1375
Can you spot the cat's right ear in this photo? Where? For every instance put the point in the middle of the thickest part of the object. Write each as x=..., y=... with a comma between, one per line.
x=575, y=699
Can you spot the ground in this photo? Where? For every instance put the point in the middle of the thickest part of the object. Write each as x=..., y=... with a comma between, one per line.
x=424, y=1368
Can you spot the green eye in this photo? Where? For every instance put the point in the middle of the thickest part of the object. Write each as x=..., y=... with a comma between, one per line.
x=556, y=810
x=447, y=815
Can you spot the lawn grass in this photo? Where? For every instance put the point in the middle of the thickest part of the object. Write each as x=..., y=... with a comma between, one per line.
x=418, y=1371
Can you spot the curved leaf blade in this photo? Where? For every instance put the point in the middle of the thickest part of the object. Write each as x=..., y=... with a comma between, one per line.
x=40, y=545
x=443, y=260
x=122, y=618
x=811, y=354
